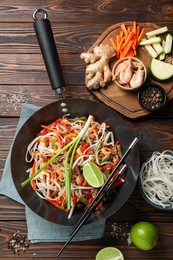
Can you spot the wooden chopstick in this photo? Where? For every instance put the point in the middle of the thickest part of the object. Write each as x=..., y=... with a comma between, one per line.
x=100, y=195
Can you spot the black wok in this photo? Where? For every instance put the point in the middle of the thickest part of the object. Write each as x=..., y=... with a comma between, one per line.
x=49, y=113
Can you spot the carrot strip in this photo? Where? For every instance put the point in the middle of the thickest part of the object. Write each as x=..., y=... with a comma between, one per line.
x=123, y=27
x=141, y=35
x=134, y=27
x=84, y=147
x=127, y=40
x=137, y=31
x=119, y=45
x=121, y=34
x=123, y=54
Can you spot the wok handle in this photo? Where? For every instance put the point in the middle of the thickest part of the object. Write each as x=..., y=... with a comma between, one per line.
x=49, y=52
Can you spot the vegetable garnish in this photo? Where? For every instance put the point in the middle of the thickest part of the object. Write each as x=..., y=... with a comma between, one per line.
x=157, y=43
x=70, y=158
x=60, y=153
x=93, y=174
x=68, y=161
x=71, y=144
x=127, y=41
x=156, y=178
x=160, y=70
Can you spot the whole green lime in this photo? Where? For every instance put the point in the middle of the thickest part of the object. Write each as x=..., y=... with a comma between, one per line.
x=144, y=235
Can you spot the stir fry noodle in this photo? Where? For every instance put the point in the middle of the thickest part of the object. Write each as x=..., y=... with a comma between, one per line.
x=62, y=182
x=156, y=177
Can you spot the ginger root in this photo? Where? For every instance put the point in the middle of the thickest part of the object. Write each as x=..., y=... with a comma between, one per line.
x=98, y=72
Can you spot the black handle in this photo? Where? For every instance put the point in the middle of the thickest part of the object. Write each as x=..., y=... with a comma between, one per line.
x=49, y=52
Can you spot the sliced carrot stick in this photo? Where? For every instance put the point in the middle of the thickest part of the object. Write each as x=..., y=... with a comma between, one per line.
x=134, y=27
x=121, y=42
x=137, y=31
x=123, y=27
x=141, y=35
x=123, y=54
x=121, y=34
x=129, y=38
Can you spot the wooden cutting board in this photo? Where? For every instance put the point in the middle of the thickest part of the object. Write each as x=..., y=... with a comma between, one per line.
x=126, y=103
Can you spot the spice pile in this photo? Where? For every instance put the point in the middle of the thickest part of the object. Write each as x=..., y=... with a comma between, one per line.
x=151, y=98
x=18, y=244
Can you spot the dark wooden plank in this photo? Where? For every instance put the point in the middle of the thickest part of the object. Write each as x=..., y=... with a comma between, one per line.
x=82, y=11
x=153, y=135
x=116, y=234
x=30, y=69
x=69, y=37
x=11, y=210
x=12, y=97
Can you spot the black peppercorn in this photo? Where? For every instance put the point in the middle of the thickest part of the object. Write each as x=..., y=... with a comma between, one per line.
x=17, y=243
x=152, y=97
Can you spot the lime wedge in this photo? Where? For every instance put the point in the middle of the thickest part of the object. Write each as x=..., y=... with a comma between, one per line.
x=109, y=253
x=93, y=175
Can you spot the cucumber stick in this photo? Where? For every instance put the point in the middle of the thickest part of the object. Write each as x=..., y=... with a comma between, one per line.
x=150, y=41
x=150, y=49
x=160, y=70
x=157, y=31
x=158, y=48
x=162, y=55
x=168, y=44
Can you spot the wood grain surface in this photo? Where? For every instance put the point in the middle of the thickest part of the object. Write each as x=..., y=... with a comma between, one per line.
x=77, y=25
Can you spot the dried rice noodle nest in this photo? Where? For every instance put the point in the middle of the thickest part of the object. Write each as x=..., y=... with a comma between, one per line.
x=156, y=177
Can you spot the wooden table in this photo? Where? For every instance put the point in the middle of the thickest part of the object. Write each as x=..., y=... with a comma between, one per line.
x=23, y=79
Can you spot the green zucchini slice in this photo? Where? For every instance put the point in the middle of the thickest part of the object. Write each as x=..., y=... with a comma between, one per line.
x=160, y=70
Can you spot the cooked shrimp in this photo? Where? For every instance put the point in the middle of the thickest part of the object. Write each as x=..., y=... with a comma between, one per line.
x=127, y=72
x=118, y=70
x=137, y=78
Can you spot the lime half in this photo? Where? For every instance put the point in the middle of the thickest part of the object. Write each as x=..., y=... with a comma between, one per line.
x=93, y=175
x=109, y=253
